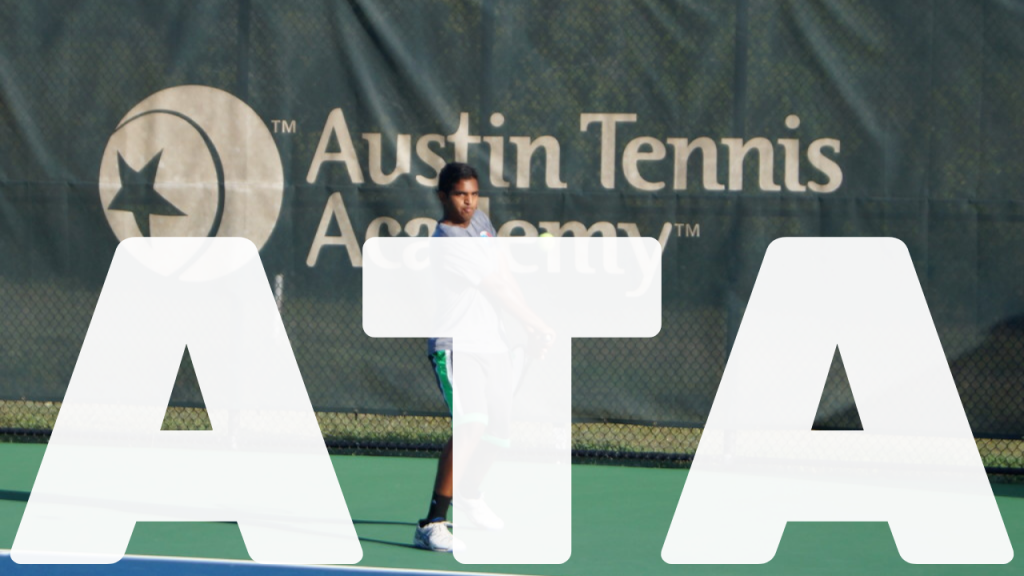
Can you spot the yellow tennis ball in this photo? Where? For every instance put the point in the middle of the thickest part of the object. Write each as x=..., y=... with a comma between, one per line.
x=547, y=241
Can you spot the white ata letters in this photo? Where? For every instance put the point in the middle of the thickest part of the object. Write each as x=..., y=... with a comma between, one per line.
x=500, y=300
x=108, y=465
x=915, y=464
x=758, y=466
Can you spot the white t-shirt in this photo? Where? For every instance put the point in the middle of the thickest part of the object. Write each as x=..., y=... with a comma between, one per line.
x=461, y=304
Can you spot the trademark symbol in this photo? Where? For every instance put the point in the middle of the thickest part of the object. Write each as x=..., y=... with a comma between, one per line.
x=283, y=126
x=685, y=230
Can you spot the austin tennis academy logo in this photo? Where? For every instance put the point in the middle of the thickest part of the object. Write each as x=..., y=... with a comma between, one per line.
x=192, y=161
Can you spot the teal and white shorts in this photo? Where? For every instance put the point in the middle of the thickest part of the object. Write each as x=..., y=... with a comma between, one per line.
x=484, y=395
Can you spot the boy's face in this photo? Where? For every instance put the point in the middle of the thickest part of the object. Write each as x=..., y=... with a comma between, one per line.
x=460, y=204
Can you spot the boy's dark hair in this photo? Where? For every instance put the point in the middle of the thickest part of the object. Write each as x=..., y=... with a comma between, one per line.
x=452, y=174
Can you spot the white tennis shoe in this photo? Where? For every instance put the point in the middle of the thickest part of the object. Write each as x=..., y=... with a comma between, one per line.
x=478, y=512
x=436, y=537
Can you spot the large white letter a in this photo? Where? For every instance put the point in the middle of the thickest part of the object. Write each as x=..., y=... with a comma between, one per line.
x=915, y=464
x=264, y=464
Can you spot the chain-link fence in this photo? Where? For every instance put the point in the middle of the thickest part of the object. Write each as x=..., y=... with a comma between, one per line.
x=348, y=376
x=790, y=118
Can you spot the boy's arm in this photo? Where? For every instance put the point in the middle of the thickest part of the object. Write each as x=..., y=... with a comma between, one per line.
x=503, y=289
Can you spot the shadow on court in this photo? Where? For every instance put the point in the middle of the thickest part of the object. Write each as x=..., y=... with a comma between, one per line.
x=404, y=544
x=1009, y=490
x=14, y=495
x=383, y=523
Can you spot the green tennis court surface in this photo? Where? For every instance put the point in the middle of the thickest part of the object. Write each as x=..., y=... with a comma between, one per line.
x=620, y=518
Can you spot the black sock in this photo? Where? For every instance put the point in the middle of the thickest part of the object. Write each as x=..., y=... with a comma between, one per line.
x=438, y=509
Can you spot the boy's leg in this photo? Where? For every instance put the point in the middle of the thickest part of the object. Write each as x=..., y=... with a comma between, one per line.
x=432, y=532
x=491, y=441
x=442, y=486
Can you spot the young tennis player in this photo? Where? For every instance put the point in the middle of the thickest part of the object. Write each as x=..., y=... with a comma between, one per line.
x=475, y=284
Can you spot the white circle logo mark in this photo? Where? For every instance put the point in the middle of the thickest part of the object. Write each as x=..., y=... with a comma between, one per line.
x=192, y=161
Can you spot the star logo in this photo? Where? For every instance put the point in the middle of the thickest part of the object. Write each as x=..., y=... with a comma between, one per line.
x=139, y=195
x=191, y=162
